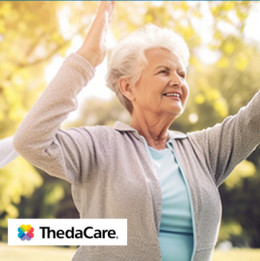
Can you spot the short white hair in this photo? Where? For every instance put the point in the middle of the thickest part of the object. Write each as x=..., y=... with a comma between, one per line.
x=128, y=57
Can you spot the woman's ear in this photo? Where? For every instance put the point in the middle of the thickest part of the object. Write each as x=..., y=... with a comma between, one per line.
x=126, y=88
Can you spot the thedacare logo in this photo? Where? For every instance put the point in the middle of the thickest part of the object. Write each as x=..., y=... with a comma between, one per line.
x=67, y=232
x=25, y=232
x=87, y=232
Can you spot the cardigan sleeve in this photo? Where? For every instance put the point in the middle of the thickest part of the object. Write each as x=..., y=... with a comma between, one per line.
x=228, y=143
x=39, y=138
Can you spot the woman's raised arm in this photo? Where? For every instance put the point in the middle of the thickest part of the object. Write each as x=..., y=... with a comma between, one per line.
x=39, y=138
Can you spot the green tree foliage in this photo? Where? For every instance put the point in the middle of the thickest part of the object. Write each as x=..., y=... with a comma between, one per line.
x=223, y=76
x=26, y=45
x=18, y=179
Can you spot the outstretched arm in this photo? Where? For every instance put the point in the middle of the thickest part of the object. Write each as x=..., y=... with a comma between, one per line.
x=227, y=144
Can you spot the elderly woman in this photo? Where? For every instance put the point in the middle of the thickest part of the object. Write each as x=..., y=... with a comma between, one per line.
x=165, y=183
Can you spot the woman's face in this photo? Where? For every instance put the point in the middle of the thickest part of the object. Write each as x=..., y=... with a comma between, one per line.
x=161, y=88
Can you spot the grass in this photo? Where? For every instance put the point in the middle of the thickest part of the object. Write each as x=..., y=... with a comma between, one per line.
x=33, y=253
x=15, y=253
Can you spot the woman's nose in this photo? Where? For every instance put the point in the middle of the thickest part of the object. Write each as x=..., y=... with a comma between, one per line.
x=176, y=81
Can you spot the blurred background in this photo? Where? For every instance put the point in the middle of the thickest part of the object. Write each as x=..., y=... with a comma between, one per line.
x=224, y=74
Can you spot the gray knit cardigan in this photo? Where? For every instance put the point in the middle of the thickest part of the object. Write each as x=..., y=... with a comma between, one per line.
x=111, y=173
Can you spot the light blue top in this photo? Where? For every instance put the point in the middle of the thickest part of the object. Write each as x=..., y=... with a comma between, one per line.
x=176, y=229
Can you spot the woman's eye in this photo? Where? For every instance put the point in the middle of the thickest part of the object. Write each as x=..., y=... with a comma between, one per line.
x=163, y=72
x=182, y=75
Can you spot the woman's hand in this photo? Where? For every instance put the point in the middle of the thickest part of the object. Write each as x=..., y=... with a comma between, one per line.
x=94, y=46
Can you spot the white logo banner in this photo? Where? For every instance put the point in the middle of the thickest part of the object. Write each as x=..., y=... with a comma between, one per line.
x=67, y=232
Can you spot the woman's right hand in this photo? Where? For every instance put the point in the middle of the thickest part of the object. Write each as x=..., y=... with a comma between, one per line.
x=94, y=46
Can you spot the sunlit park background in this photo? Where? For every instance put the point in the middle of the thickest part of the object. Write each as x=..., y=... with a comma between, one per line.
x=224, y=73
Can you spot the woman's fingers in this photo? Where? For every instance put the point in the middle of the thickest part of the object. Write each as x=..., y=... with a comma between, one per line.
x=104, y=14
x=105, y=10
x=110, y=9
